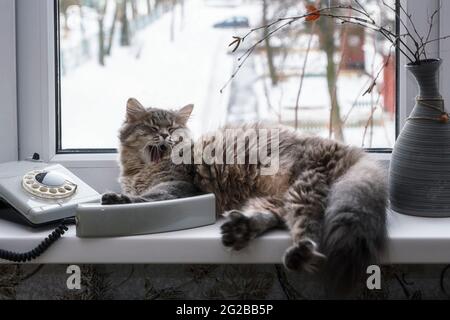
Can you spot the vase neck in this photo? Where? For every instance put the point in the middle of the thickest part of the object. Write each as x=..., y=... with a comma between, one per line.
x=426, y=75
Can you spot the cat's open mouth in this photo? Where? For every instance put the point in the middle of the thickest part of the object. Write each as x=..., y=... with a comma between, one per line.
x=158, y=152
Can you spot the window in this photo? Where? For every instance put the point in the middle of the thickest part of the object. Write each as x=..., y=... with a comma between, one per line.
x=168, y=53
x=91, y=154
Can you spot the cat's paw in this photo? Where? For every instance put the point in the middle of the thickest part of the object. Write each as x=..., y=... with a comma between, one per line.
x=237, y=232
x=115, y=198
x=304, y=256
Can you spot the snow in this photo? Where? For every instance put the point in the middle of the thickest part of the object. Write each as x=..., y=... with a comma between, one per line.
x=192, y=69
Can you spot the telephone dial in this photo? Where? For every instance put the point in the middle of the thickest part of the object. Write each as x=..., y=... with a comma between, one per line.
x=40, y=194
x=48, y=185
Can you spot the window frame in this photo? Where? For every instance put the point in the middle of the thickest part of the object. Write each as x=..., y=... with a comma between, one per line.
x=58, y=134
x=36, y=22
x=8, y=118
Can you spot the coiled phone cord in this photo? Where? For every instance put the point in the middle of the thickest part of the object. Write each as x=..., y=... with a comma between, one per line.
x=41, y=248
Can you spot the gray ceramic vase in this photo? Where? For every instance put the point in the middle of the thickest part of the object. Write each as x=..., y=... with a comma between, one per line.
x=419, y=175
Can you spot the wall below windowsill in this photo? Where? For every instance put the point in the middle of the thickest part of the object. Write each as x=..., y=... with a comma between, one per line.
x=412, y=240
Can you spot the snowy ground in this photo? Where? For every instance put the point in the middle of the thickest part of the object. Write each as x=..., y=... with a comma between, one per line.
x=192, y=69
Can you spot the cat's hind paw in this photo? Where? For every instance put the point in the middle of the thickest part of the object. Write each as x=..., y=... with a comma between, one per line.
x=237, y=232
x=115, y=198
x=304, y=256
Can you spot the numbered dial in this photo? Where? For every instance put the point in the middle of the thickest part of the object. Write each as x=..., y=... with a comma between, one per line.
x=48, y=185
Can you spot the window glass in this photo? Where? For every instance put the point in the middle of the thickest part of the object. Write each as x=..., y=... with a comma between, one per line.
x=169, y=53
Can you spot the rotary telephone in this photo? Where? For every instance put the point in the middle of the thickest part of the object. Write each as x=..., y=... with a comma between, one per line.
x=39, y=194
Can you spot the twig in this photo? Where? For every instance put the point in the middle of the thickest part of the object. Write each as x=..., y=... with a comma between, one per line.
x=408, y=32
x=334, y=101
x=431, y=22
x=242, y=59
x=371, y=93
x=431, y=27
x=372, y=112
x=414, y=28
x=433, y=40
x=302, y=77
x=368, y=23
x=382, y=30
x=374, y=83
x=365, y=11
x=355, y=102
x=239, y=40
x=361, y=18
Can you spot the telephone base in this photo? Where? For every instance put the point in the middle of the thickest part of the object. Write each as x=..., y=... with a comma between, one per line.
x=8, y=213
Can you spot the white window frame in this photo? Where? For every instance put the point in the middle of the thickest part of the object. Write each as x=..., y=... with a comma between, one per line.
x=8, y=114
x=37, y=88
x=420, y=10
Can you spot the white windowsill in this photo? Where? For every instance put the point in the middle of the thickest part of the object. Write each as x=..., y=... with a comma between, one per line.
x=110, y=160
x=87, y=160
x=411, y=240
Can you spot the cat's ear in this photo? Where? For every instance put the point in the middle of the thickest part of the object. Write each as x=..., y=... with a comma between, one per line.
x=134, y=109
x=185, y=113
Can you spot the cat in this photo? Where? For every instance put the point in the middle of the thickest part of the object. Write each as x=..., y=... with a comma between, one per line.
x=330, y=196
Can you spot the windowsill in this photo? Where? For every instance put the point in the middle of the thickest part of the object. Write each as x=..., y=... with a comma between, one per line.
x=87, y=160
x=412, y=240
x=110, y=160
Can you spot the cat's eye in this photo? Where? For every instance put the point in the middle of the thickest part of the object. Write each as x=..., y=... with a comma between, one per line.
x=172, y=130
x=154, y=129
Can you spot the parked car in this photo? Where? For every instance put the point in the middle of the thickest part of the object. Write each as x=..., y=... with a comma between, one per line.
x=233, y=22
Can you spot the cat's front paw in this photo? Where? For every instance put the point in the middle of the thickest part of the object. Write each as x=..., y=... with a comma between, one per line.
x=237, y=232
x=115, y=198
x=304, y=256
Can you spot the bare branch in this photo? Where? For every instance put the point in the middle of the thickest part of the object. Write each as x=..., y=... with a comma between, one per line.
x=242, y=59
x=360, y=17
x=434, y=40
x=404, y=24
x=374, y=83
x=302, y=77
x=365, y=11
x=431, y=24
x=409, y=16
x=372, y=112
x=389, y=35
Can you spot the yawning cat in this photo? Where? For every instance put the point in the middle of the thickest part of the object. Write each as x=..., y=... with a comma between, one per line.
x=330, y=196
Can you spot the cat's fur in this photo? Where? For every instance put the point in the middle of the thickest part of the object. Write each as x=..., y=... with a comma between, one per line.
x=332, y=197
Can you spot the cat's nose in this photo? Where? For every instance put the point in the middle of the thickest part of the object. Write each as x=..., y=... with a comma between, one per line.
x=164, y=135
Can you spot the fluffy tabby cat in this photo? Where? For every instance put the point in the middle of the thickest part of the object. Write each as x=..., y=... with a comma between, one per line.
x=330, y=196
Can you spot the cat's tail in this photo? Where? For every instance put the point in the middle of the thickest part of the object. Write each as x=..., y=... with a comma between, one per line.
x=354, y=225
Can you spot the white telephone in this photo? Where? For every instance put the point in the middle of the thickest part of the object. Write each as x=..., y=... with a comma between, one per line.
x=39, y=194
